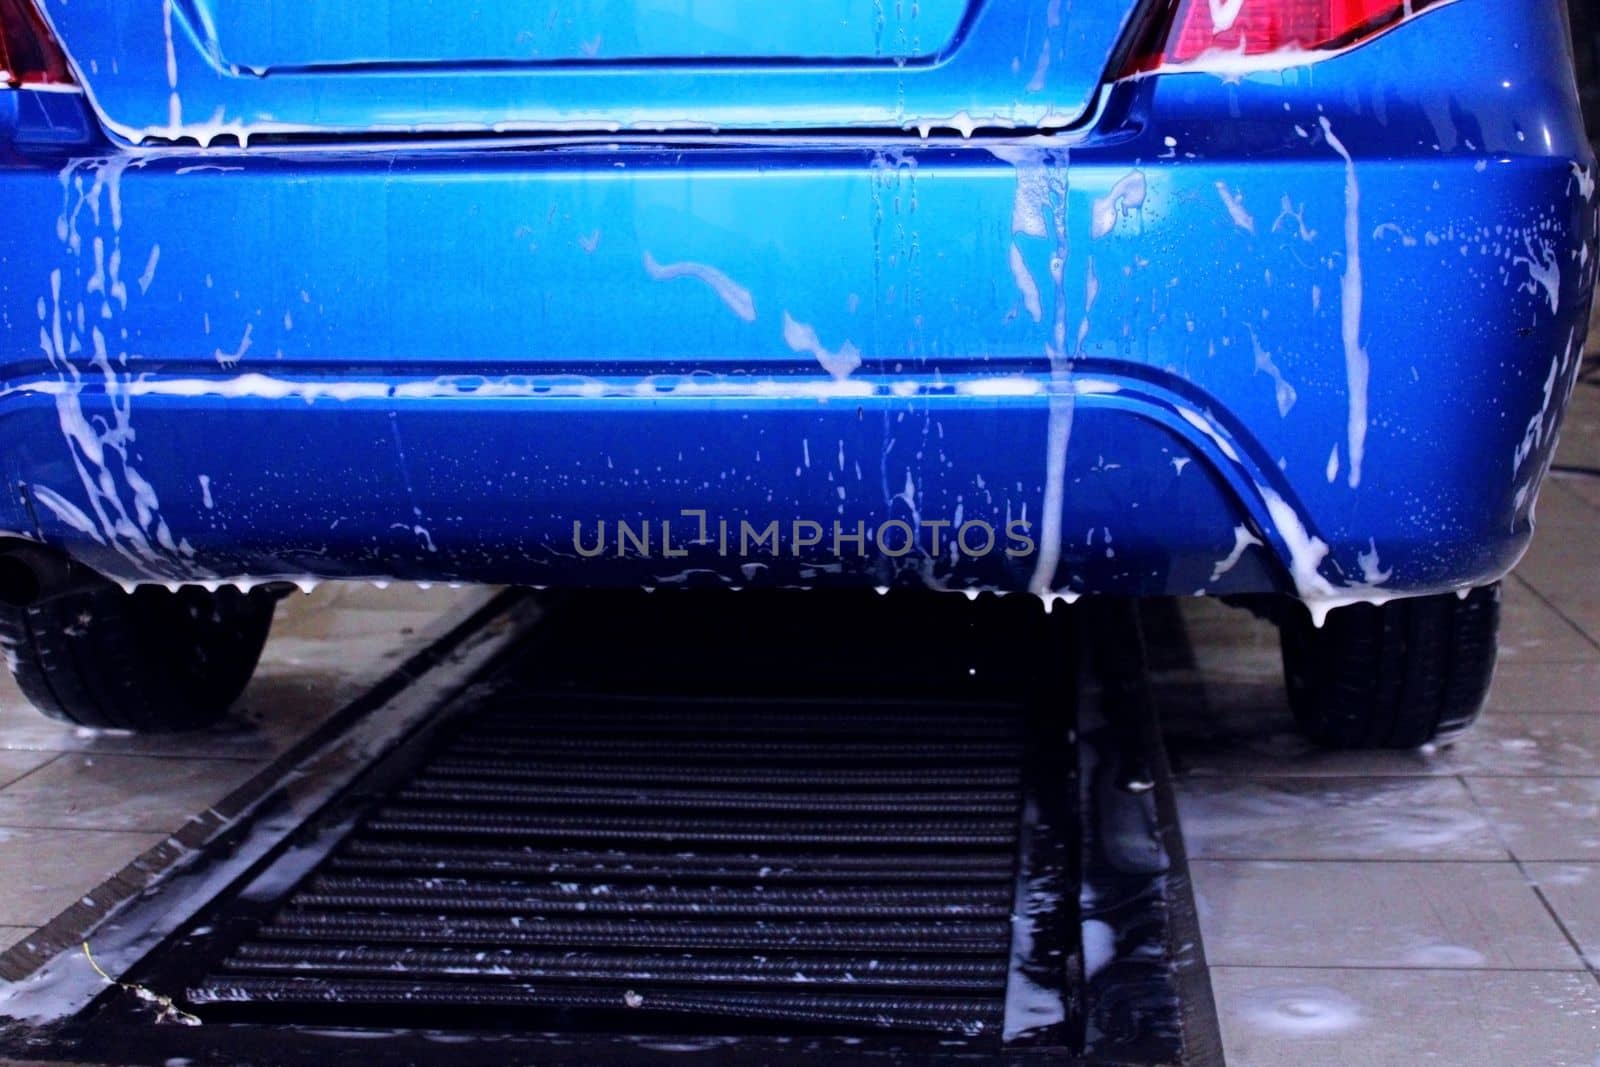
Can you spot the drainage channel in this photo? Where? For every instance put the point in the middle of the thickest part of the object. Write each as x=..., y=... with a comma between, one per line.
x=738, y=826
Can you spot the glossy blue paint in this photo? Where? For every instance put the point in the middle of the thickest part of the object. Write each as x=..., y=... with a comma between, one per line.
x=432, y=360
x=936, y=64
x=423, y=33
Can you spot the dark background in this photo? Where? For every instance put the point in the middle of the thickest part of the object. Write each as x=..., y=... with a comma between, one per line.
x=1586, y=49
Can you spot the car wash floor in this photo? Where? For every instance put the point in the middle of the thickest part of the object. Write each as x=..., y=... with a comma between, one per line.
x=583, y=813
x=771, y=825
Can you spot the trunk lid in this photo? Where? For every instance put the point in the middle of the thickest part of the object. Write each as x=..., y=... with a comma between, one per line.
x=422, y=33
x=180, y=70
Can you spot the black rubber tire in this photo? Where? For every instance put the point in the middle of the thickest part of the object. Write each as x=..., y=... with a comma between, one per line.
x=150, y=661
x=1397, y=675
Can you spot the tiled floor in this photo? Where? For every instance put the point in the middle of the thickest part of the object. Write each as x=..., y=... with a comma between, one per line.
x=76, y=807
x=1413, y=907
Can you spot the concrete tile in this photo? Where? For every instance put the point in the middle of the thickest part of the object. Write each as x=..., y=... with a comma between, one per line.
x=42, y=872
x=1503, y=744
x=1552, y=743
x=1560, y=511
x=1585, y=614
x=10, y=935
x=396, y=597
x=14, y=765
x=1543, y=818
x=1245, y=736
x=1276, y=1017
x=1566, y=570
x=1573, y=890
x=1378, y=914
x=1580, y=433
x=1591, y=344
x=1353, y=818
x=1546, y=556
x=1531, y=631
x=1567, y=584
x=1584, y=487
x=100, y=792
x=1543, y=687
x=1580, y=603
x=1230, y=644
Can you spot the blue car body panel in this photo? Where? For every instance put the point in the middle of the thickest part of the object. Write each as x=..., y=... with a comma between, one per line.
x=200, y=69
x=1308, y=330
x=266, y=38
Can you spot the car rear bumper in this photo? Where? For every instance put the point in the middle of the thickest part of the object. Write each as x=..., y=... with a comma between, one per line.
x=1301, y=347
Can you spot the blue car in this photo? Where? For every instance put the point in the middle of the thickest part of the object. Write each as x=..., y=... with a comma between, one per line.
x=1273, y=300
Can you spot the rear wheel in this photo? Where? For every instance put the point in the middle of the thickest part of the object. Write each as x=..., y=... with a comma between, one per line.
x=148, y=661
x=1395, y=675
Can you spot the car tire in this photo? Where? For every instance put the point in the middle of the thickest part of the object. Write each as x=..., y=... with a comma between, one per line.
x=149, y=661
x=1397, y=675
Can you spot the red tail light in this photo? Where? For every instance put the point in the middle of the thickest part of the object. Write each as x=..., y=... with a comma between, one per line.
x=29, y=55
x=1191, y=29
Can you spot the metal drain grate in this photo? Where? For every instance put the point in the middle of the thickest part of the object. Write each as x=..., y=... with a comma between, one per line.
x=772, y=828
x=620, y=862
